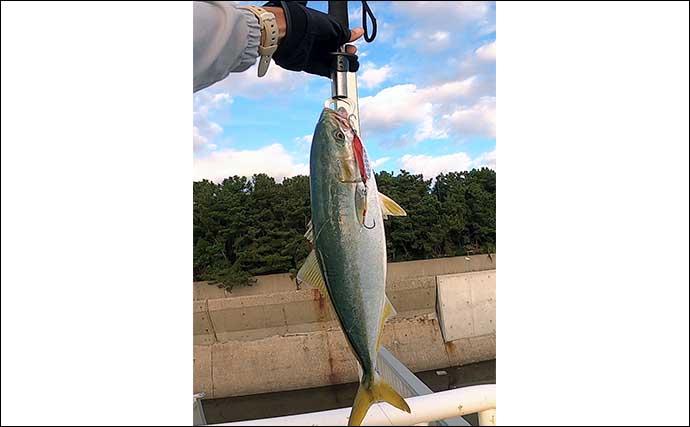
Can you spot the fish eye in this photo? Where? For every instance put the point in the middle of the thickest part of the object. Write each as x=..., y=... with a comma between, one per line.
x=338, y=134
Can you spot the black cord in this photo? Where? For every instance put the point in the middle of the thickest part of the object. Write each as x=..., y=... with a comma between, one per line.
x=367, y=11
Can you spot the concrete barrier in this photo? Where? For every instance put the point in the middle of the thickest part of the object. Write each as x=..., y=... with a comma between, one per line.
x=314, y=359
x=466, y=304
x=273, y=337
x=440, y=266
x=397, y=272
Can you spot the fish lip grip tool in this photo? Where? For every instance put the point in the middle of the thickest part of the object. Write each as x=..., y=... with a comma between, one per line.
x=343, y=73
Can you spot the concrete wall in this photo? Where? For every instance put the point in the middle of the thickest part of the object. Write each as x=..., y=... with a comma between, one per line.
x=260, y=316
x=466, y=304
x=305, y=360
x=267, y=284
x=272, y=337
x=397, y=272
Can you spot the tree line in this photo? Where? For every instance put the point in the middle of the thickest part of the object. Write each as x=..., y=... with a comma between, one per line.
x=245, y=227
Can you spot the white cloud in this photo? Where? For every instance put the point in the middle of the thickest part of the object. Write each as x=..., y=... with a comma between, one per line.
x=438, y=14
x=250, y=85
x=220, y=97
x=304, y=141
x=437, y=22
x=205, y=130
x=487, y=52
x=370, y=76
x=378, y=162
x=431, y=166
x=428, y=129
x=477, y=119
x=385, y=32
x=354, y=15
x=221, y=164
x=392, y=107
x=199, y=139
x=424, y=41
x=486, y=160
x=399, y=105
x=440, y=36
x=487, y=27
x=449, y=91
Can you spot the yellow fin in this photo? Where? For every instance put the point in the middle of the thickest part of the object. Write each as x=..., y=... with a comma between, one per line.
x=310, y=273
x=389, y=207
x=370, y=392
x=388, y=312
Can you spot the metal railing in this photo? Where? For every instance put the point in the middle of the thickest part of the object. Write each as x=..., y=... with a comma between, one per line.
x=444, y=408
x=431, y=407
x=199, y=417
x=407, y=383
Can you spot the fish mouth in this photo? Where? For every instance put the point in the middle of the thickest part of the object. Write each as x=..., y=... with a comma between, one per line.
x=339, y=118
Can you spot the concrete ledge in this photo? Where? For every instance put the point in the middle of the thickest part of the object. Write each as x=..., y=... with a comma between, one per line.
x=397, y=271
x=440, y=266
x=313, y=359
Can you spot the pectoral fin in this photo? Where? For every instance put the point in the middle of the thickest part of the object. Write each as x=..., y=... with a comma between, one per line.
x=389, y=207
x=310, y=273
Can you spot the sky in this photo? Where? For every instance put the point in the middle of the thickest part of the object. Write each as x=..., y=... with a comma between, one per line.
x=427, y=97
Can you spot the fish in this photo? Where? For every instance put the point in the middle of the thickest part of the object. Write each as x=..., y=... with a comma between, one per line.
x=348, y=261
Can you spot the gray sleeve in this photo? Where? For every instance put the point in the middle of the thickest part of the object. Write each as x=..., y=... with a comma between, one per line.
x=226, y=39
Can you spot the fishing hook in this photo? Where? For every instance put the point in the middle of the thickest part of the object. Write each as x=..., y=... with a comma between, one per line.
x=369, y=228
x=352, y=119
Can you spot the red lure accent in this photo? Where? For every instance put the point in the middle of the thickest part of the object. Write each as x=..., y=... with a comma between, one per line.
x=359, y=156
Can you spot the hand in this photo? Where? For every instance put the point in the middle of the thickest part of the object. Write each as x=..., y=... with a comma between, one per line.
x=307, y=37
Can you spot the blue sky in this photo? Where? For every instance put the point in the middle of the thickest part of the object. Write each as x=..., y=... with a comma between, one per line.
x=427, y=99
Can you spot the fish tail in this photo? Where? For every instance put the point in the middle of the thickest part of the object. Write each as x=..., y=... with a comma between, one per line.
x=371, y=390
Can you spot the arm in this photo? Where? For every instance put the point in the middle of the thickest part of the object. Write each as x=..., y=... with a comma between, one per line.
x=226, y=39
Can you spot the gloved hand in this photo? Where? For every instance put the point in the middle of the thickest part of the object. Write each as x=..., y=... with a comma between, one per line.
x=310, y=38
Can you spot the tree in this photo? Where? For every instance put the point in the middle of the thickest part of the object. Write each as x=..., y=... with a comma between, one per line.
x=245, y=227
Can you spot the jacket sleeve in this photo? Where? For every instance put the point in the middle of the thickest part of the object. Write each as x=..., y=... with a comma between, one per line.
x=226, y=39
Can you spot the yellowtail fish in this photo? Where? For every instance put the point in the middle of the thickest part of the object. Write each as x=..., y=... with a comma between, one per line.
x=348, y=262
